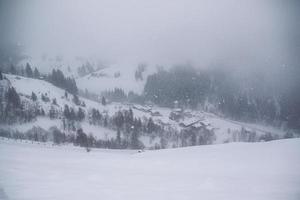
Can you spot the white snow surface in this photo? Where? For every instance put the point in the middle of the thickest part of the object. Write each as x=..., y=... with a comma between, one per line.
x=104, y=79
x=234, y=171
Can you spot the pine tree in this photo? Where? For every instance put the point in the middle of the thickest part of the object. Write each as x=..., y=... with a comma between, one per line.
x=80, y=114
x=72, y=114
x=130, y=116
x=52, y=113
x=119, y=138
x=150, y=125
x=33, y=96
x=1, y=76
x=103, y=101
x=22, y=71
x=76, y=99
x=66, y=94
x=81, y=138
x=36, y=73
x=45, y=98
x=135, y=138
x=28, y=70
x=105, y=122
x=119, y=120
x=67, y=112
x=42, y=112
x=13, y=69
x=54, y=101
x=13, y=98
x=58, y=136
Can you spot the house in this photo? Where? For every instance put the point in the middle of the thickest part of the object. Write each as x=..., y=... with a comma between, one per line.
x=142, y=108
x=176, y=114
x=155, y=114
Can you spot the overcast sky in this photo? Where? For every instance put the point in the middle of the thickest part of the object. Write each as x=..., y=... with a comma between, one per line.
x=204, y=32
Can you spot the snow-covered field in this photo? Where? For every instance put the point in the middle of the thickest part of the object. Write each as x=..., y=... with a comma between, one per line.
x=105, y=79
x=268, y=170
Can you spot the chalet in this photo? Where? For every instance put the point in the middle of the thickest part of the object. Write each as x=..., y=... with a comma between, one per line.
x=176, y=114
x=142, y=108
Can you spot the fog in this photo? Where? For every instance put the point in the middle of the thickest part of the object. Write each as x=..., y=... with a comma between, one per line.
x=228, y=32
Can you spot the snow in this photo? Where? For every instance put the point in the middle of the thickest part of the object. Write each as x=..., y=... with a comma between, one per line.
x=234, y=171
x=98, y=131
x=45, y=65
x=224, y=129
x=26, y=86
x=42, y=122
x=105, y=79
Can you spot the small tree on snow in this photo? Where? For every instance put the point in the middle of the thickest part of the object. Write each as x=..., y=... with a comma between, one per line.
x=76, y=99
x=33, y=96
x=103, y=101
x=28, y=70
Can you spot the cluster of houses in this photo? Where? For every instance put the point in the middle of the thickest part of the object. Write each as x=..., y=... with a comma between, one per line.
x=147, y=109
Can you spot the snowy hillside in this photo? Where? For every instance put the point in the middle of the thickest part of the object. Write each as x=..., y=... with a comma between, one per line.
x=175, y=123
x=261, y=171
x=108, y=77
x=115, y=76
x=45, y=64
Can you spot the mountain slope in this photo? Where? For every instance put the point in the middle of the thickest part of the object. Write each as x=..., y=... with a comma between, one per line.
x=116, y=76
x=234, y=171
x=215, y=129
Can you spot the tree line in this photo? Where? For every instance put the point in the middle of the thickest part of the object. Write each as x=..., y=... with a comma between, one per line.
x=220, y=92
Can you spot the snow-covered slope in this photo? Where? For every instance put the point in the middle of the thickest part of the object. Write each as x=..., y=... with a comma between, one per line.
x=109, y=77
x=260, y=171
x=25, y=86
x=45, y=64
x=224, y=130
x=115, y=76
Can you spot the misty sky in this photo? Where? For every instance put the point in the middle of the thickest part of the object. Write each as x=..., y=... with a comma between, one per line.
x=204, y=32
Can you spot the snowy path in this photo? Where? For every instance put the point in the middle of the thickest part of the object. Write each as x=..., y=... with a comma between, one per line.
x=229, y=171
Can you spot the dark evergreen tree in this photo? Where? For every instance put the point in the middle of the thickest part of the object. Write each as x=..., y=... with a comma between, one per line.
x=13, y=98
x=52, y=113
x=135, y=144
x=105, y=123
x=58, y=136
x=103, y=101
x=118, y=139
x=54, y=101
x=36, y=73
x=150, y=126
x=81, y=138
x=76, y=99
x=80, y=114
x=33, y=96
x=58, y=79
x=67, y=112
x=45, y=98
x=13, y=110
x=72, y=114
x=139, y=72
x=13, y=69
x=22, y=71
x=28, y=70
x=1, y=76
x=42, y=112
x=130, y=116
x=119, y=120
x=66, y=94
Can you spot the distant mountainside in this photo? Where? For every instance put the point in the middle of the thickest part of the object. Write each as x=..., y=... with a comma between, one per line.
x=96, y=76
x=116, y=76
x=115, y=125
